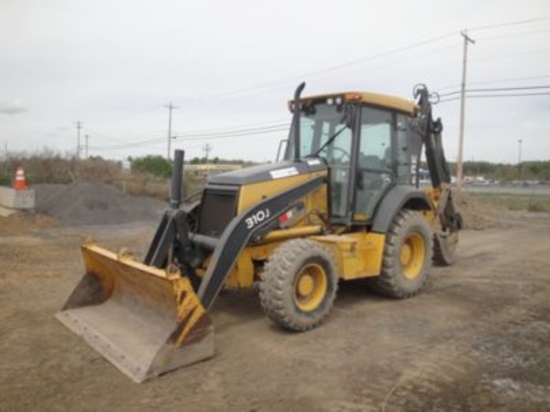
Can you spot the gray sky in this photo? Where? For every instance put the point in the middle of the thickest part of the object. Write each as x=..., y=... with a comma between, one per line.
x=229, y=66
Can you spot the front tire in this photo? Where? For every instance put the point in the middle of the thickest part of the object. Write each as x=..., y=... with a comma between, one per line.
x=299, y=284
x=407, y=256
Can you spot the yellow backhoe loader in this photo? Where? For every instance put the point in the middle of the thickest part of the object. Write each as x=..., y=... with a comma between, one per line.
x=344, y=203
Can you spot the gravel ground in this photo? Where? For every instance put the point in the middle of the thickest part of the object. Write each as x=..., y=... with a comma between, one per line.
x=477, y=338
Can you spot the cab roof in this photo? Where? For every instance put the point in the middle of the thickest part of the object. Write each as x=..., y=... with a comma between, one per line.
x=375, y=99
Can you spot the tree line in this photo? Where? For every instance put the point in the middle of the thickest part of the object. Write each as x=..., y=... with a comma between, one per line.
x=530, y=170
x=50, y=167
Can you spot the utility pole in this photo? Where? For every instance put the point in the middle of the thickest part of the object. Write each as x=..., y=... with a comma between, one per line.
x=86, y=137
x=170, y=107
x=78, y=128
x=520, y=141
x=467, y=40
x=207, y=148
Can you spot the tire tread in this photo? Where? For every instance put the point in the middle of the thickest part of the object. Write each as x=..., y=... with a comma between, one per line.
x=279, y=272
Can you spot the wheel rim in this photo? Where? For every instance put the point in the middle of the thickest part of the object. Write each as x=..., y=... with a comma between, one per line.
x=310, y=287
x=412, y=255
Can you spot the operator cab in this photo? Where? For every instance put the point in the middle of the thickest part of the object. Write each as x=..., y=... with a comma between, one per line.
x=364, y=139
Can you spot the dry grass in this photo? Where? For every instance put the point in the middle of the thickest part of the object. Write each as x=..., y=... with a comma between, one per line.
x=530, y=203
x=51, y=167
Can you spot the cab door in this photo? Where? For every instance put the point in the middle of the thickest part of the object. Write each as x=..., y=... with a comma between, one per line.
x=375, y=168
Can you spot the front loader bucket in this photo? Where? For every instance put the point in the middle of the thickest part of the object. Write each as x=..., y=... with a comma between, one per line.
x=143, y=320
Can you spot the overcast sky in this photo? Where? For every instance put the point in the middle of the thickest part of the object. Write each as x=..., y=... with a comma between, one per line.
x=231, y=66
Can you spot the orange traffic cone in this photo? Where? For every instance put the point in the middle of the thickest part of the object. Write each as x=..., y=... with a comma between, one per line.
x=20, y=183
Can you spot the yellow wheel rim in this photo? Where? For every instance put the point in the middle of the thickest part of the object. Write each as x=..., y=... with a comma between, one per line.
x=311, y=287
x=412, y=255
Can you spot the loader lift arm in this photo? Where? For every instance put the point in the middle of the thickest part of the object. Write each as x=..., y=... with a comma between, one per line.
x=173, y=232
x=239, y=231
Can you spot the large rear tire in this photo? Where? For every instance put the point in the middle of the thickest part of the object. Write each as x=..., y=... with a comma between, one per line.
x=407, y=256
x=299, y=284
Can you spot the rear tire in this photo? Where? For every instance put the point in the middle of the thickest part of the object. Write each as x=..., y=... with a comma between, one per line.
x=407, y=256
x=299, y=284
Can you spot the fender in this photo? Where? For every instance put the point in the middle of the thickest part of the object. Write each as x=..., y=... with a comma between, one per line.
x=394, y=201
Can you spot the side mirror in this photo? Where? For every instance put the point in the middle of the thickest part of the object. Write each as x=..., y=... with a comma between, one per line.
x=280, y=149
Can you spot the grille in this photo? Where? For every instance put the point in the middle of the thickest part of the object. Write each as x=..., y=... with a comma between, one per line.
x=218, y=207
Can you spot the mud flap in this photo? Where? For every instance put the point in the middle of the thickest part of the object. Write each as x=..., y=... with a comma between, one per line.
x=143, y=320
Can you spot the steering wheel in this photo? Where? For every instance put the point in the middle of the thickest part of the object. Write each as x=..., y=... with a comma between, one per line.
x=344, y=154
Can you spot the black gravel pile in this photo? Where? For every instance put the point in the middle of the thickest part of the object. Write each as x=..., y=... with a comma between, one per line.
x=91, y=203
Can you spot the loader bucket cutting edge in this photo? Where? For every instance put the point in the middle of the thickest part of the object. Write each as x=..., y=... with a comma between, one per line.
x=142, y=320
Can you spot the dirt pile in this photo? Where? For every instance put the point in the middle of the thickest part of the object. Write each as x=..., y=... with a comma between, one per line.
x=90, y=203
x=476, y=215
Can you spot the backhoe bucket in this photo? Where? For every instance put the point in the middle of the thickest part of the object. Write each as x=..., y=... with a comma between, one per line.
x=143, y=320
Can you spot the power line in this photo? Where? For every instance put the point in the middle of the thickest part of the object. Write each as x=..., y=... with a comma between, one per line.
x=266, y=123
x=515, y=35
x=496, y=89
x=132, y=144
x=261, y=88
x=104, y=136
x=232, y=132
x=383, y=54
x=125, y=142
x=510, y=23
x=239, y=131
x=506, y=80
x=256, y=89
x=507, y=56
x=487, y=96
x=203, y=135
x=274, y=84
x=239, y=134
x=224, y=133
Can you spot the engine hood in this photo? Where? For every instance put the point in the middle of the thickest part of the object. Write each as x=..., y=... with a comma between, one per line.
x=269, y=171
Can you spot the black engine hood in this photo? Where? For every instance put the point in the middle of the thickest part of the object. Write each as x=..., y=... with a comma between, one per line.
x=269, y=171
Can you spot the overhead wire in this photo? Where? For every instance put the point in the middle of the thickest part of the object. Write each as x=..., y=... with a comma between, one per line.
x=268, y=85
x=227, y=132
x=271, y=85
x=497, y=81
x=274, y=126
x=495, y=89
x=508, y=56
x=204, y=135
x=266, y=123
x=510, y=23
x=514, y=35
x=500, y=95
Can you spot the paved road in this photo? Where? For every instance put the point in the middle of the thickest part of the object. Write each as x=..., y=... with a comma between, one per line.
x=532, y=190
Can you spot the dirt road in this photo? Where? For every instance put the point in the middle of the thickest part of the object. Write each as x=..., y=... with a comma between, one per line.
x=477, y=338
